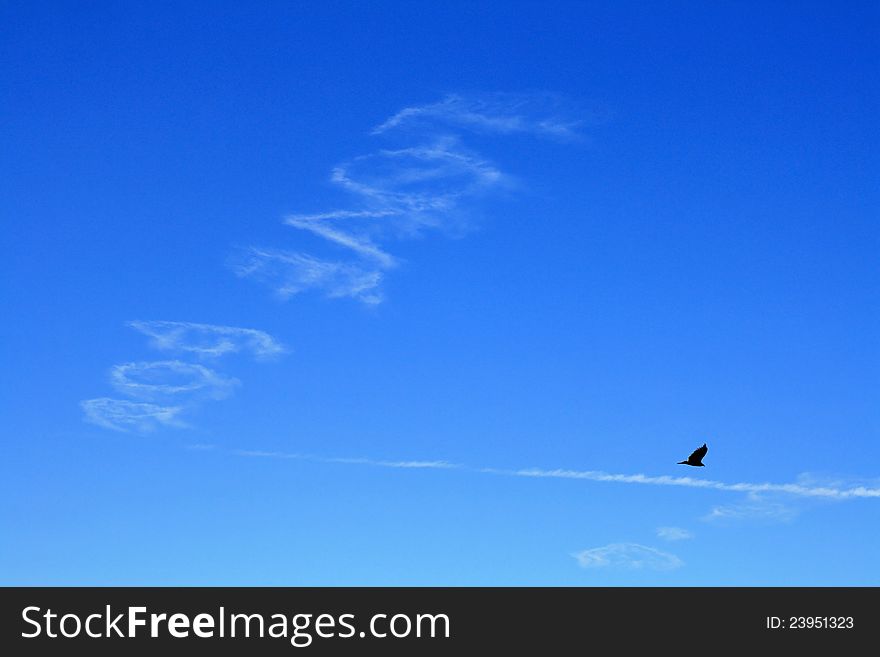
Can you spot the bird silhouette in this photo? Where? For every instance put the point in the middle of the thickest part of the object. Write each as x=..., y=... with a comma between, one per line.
x=696, y=458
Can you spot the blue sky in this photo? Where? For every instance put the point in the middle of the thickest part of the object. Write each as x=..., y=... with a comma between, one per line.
x=439, y=293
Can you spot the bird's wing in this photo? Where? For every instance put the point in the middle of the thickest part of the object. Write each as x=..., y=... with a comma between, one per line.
x=699, y=453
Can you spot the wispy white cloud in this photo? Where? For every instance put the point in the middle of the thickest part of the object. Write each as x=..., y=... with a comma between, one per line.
x=771, y=507
x=421, y=184
x=208, y=339
x=771, y=512
x=630, y=556
x=673, y=533
x=344, y=214
x=762, y=508
x=810, y=479
x=290, y=273
x=499, y=113
x=124, y=415
x=754, y=491
x=164, y=390
x=362, y=245
x=169, y=378
x=828, y=492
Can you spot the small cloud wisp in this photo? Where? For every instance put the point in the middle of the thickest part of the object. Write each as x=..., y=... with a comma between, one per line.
x=628, y=556
x=208, y=340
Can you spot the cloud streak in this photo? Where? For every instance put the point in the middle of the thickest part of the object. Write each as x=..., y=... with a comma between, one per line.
x=169, y=378
x=208, y=339
x=420, y=185
x=839, y=492
x=827, y=492
x=673, y=534
x=629, y=556
x=755, y=509
x=361, y=245
x=125, y=415
x=290, y=273
x=542, y=115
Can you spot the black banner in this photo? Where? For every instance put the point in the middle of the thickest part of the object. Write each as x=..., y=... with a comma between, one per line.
x=177, y=621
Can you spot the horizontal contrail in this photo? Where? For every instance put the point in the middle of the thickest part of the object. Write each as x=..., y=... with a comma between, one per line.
x=690, y=482
x=826, y=492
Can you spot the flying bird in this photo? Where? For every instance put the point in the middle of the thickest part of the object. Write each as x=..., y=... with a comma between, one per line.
x=697, y=457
